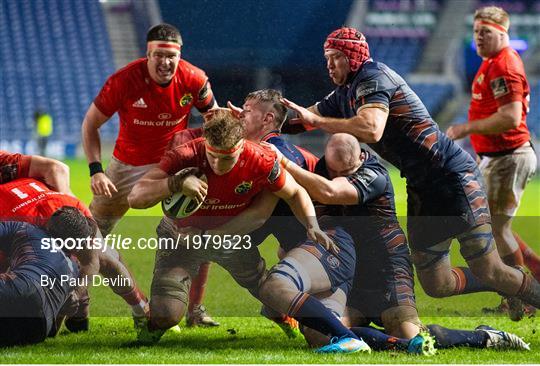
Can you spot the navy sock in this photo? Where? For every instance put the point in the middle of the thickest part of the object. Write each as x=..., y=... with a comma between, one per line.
x=380, y=341
x=447, y=338
x=310, y=312
x=467, y=283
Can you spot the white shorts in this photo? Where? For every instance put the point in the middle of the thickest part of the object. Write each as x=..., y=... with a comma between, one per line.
x=124, y=177
x=506, y=177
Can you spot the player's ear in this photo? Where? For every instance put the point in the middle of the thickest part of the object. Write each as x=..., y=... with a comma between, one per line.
x=270, y=118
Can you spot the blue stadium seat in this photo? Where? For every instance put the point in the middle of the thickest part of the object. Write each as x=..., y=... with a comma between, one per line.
x=62, y=50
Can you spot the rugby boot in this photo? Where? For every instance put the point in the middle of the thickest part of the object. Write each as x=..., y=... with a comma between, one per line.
x=422, y=344
x=499, y=339
x=345, y=345
x=199, y=317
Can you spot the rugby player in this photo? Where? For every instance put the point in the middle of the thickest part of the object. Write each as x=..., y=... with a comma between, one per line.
x=29, y=310
x=445, y=194
x=236, y=170
x=263, y=116
x=383, y=286
x=498, y=129
x=153, y=97
x=25, y=198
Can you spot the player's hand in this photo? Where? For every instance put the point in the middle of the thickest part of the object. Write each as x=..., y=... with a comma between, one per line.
x=236, y=111
x=101, y=185
x=456, y=132
x=319, y=236
x=71, y=306
x=195, y=188
x=304, y=115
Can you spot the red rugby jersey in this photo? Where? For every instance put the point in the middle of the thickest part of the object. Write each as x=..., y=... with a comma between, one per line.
x=500, y=80
x=151, y=114
x=257, y=168
x=28, y=199
x=13, y=166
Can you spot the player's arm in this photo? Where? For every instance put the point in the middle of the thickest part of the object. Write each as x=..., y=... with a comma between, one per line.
x=88, y=258
x=337, y=191
x=367, y=126
x=506, y=118
x=301, y=205
x=91, y=141
x=157, y=185
x=53, y=172
x=251, y=218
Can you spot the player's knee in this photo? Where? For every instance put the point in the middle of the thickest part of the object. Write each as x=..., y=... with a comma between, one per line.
x=271, y=288
x=165, y=320
x=172, y=287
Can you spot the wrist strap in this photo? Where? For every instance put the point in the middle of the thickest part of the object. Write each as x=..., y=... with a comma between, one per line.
x=95, y=167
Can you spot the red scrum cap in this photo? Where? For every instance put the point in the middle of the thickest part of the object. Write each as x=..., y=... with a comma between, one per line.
x=352, y=43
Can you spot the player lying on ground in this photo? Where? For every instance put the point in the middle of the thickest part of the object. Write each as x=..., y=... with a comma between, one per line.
x=25, y=198
x=35, y=290
x=446, y=198
x=236, y=171
x=383, y=287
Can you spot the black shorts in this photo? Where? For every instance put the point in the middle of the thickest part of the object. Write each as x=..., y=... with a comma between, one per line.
x=445, y=208
x=23, y=316
x=382, y=280
x=339, y=267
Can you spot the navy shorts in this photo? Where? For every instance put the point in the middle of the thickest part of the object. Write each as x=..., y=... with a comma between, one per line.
x=28, y=311
x=384, y=279
x=339, y=267
x=448, y=206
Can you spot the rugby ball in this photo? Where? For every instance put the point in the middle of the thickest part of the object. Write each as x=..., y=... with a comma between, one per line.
x=179, y=205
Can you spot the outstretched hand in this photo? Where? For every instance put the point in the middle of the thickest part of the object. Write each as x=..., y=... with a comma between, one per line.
x=319, y=236
x=304, y=115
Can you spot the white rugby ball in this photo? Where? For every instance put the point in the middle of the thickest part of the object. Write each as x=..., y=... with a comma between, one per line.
x=179, y=205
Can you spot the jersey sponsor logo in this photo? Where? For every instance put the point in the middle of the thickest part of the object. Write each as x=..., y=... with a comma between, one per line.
x=243, y=187
x=275, y=172
x=164, y=115
x=332, y=261
x=366, y=88
x=186, y=99
x=203, y=93
x=139, y=103
x=477, y=96
x=222, y=207
x=366, y=177
x=211, y=201
x=480, y=79
x=499, y=87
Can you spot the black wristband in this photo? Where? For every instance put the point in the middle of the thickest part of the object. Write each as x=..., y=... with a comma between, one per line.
x=95, y=167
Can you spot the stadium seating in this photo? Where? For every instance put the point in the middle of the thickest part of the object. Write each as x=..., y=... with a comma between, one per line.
x=55, y=56
x=434, y=95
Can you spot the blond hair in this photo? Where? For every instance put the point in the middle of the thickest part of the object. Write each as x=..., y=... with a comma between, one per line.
x=223, y=130
x=494, y=14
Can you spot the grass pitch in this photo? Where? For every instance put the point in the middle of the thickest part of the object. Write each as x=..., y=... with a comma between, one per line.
x=243, y=336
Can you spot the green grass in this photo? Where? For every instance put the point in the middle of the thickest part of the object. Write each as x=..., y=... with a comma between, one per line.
x=257, y=340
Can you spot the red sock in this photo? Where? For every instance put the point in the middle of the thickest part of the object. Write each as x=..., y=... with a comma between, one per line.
x=198, y=285
x=136, y=299
x=531, y=259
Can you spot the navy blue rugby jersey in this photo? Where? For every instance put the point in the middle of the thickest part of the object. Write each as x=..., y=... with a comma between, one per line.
x=411, y=141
